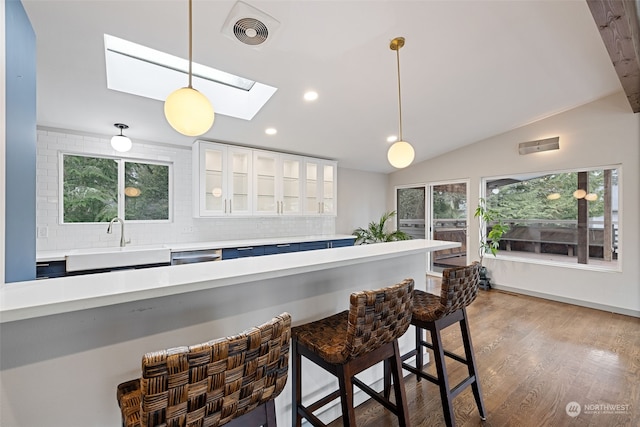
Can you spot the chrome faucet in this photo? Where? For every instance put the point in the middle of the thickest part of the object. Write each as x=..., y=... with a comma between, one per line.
x=109, y=230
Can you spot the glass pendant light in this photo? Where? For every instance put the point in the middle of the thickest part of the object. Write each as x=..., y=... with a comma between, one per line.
x=187, y=110
x=120, y=142
x=401, y=153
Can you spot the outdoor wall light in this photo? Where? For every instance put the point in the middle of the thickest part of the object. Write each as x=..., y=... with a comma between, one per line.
x=579, y=193
x=132, y=191
x=582, y=194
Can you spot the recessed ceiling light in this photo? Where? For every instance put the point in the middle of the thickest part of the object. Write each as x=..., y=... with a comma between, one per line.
x=271, y=131
x=311, y=96
x=392, y=138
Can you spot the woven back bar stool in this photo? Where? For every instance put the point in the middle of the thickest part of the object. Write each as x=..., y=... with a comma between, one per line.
x=435, y=313
x=349, y=342
x=230, y=381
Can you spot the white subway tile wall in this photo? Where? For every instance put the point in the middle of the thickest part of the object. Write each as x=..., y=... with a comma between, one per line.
x=53, y=235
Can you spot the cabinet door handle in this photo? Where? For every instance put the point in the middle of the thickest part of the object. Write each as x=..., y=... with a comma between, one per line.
x=283, y=246
x=319, y=208
x=230, y=205
x=246, y=249
x=225, y=205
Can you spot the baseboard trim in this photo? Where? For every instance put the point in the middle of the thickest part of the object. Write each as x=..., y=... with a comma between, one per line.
x=588, y=304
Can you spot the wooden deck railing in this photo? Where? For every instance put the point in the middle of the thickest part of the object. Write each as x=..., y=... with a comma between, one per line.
x=536, y=236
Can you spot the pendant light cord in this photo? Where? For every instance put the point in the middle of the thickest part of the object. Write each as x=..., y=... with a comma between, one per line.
x=399, y=96
x=190, y=44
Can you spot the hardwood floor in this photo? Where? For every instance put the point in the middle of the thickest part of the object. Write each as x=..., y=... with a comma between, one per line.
x=535, y=357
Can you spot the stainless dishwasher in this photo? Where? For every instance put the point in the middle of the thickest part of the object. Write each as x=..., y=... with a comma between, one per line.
x=191, y=257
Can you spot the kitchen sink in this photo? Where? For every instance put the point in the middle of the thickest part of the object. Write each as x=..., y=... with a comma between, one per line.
x=114, y=257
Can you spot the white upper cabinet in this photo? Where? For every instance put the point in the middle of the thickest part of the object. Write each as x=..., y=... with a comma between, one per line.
x=277, y=183
x=320, y=187
x=231, y=180
x=222, y=182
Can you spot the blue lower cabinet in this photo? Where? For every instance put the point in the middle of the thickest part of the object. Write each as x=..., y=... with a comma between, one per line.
x=281, y=249
x=231, y=253
x=311, y=246
x=341, y=243
x=46, y=270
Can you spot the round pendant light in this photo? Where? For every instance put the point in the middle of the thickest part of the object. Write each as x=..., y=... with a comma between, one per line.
x=187, y=110
x=401, y=153
x=120, y=142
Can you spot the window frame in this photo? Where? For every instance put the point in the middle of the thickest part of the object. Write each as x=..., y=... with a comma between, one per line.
x=503, y=255
x=121, y=161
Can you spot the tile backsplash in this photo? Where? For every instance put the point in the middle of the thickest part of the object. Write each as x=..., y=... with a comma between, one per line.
x=52, y=235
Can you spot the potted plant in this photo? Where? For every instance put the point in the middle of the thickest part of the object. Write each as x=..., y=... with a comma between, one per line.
x=375, y=232
x=489, y=242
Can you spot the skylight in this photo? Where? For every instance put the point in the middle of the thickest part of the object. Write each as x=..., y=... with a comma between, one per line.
x=142, y=71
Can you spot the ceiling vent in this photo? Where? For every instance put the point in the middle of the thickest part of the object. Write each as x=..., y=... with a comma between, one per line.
x=249, y=25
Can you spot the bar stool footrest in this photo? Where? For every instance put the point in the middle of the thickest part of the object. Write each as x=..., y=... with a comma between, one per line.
x=375, y=395
x=446, y=353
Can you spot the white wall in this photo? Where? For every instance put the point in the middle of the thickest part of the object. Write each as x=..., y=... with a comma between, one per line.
x=361, y=199
x=604, y=132
x=184, y=227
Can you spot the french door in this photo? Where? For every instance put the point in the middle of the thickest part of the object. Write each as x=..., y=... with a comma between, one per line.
x=437, y=211
x=449, y=214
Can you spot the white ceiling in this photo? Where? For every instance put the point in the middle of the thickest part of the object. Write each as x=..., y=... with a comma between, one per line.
x=469, y=70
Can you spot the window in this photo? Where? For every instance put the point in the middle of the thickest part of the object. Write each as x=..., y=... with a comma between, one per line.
x=564, y=217
x=97, y=189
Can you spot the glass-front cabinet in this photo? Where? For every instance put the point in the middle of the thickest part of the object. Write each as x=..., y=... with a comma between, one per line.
x=223, y=182
x=291, y=167
x=320, y=187
x=277, y=183
x=232, y=180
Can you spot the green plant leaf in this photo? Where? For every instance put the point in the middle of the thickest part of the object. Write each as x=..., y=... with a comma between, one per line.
x=375, y=232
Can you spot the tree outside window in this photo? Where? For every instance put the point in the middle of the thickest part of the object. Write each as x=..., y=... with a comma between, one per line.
x=93, y=192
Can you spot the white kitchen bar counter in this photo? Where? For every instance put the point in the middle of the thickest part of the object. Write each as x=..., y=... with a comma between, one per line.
x=66, y=343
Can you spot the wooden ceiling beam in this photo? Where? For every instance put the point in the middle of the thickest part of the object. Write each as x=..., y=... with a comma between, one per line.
x=619, y=24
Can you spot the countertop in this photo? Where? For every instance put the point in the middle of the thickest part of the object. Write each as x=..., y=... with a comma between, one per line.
x=59, y=255
x=24, y=300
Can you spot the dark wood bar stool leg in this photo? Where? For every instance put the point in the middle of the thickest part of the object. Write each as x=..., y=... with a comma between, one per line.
x=418, y=351
x=395, y=365
x=443, y=379
x=471, y=364
x=296, y=389
x=346, y=396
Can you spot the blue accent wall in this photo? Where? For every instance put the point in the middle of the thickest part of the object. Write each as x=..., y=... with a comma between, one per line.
x=20, y=194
